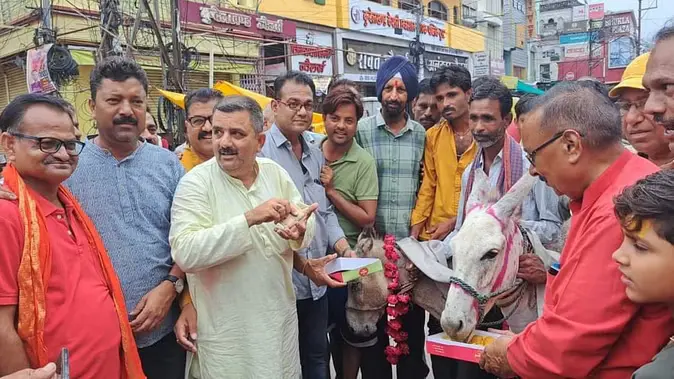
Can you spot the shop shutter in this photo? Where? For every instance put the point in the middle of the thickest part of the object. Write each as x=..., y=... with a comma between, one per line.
x=199, y=79
x=16, y=83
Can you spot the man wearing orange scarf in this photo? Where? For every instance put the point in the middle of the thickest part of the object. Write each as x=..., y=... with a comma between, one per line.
x=58, y=288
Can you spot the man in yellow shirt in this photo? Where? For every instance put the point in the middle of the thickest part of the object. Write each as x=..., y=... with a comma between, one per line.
x=199, y=106
x=449, y=149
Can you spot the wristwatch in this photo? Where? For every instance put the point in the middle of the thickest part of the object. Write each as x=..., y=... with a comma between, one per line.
x=178, y=284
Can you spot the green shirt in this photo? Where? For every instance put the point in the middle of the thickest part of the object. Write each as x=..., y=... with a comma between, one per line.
x=398, y=159
x=355, y=178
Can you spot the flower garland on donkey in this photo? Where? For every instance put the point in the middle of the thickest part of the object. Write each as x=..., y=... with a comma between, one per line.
x=397, y=304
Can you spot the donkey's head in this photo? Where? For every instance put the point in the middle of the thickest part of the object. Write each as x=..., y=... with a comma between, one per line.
x=366, y=301
x=486, y=254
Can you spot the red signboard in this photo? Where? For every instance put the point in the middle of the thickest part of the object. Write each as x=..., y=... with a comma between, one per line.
x=210, y=16
x=596, y=11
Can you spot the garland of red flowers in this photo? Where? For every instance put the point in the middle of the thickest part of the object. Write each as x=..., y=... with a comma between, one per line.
x=398, y=304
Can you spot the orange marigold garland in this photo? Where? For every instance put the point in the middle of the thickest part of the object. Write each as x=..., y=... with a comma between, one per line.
x=398, y=304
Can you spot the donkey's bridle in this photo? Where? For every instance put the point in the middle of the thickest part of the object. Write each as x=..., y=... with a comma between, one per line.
x=482, y=299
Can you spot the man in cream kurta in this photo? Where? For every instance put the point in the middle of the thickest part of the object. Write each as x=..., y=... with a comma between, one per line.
x=238, y=266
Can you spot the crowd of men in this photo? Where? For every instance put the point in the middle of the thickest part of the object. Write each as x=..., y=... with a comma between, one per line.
x=211, y=263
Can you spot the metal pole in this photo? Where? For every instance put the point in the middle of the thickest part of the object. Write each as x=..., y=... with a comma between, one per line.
x=639, y=31
x=211, y=59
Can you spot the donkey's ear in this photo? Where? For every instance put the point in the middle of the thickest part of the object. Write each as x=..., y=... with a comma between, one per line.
x=508, y=206
x=364, y=246
x=479, y=195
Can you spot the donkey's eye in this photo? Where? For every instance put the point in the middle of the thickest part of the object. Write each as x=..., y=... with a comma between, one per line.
x=491, y=254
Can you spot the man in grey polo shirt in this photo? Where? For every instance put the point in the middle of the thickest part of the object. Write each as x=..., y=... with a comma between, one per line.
x=288, y=144
x=126, y=187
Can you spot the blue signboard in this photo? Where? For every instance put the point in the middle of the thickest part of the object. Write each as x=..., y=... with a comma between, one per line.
x=569, y=39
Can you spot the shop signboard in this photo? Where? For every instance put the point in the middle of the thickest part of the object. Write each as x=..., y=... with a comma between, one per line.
x=210, y=16
x=313, y=52
x=373, y=18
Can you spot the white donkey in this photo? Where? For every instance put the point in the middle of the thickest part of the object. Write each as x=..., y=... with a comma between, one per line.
x=486, y=253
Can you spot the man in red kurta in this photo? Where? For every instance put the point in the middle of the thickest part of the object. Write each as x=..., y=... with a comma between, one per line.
x=589, y=328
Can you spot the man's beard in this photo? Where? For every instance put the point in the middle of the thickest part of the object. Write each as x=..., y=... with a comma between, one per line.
x=488, y=140
x=393, y=109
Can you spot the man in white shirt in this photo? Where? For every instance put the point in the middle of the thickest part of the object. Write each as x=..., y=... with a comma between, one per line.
x=236, y=224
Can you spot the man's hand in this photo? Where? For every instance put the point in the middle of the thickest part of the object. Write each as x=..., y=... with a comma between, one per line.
x=494, y=360
x=416, y=230
x=295, y=225
x=273, y=210
x=6, y=194
x=315, y=270
x=326, y=177
x=532, y=269
x=442, y=230
x=46, y=372
x=153, y=307
x=186, y=328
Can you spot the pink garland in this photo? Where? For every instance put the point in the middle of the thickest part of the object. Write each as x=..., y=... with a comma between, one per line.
x=398, y=304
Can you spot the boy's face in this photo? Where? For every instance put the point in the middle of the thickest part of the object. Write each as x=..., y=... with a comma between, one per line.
x=646, y=262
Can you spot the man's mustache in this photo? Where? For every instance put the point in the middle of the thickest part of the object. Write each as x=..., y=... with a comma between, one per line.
x=667, y=123
x=202, y=135
x=448, y=109
x=130, y=120
x=227, y=151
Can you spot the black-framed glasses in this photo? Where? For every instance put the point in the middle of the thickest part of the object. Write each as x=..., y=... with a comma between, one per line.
x=200, y=121
x=532, y=155
x=295, y=106
x=51, y=145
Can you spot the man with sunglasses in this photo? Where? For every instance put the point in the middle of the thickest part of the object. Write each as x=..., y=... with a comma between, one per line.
x=288, y=144
x=646, y=136
x=57, y=285
x=589, y=327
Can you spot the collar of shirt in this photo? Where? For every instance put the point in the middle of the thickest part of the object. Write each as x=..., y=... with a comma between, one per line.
x=94, y=148
x=46, y=206
x=280, y=139
x=349, y=156
x=597, y=188
x=497, y=160
x=381, y=123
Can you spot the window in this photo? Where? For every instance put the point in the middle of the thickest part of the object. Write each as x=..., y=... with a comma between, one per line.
x=408, y=5
x=468, y=12
x=456, y=18
x=438, y=10
x=382, y=2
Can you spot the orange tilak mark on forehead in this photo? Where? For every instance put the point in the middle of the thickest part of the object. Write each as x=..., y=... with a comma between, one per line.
x=397, y=83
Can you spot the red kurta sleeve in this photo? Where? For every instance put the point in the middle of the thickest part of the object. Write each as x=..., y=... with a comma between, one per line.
x=586, y=309
x=11, y=244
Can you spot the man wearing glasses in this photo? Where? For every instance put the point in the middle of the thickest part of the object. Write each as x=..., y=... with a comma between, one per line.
x=57, y=284
x=199, y=106
x=588, y=328
x=646, y=136
x=287, y=144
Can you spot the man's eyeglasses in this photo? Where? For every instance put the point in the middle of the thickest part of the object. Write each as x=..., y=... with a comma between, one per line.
x=626, y=106
x=295, y=106
x=51, y=145
x=531, y=157
x=200, y=121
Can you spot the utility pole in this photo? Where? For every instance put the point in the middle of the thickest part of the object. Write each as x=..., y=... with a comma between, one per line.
x=111, y=19
x=639, y=26
x=416, y=48
x=177, y=44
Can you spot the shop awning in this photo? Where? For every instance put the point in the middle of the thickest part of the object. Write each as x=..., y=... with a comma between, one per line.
x=227, y=88
x=514, y=83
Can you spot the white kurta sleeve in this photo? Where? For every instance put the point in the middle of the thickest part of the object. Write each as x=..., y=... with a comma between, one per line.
x=291, y=193
x=196, y=243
